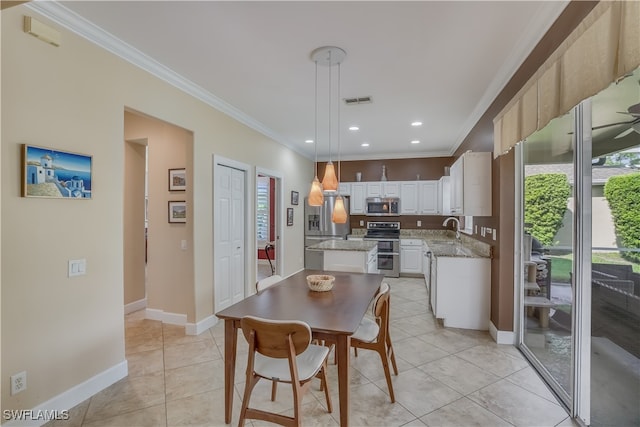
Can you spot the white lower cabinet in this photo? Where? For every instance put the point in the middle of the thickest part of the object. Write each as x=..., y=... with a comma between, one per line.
x=461, y=291
x=411, y=256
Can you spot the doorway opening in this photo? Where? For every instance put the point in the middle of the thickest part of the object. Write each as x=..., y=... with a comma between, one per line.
x=268, y=223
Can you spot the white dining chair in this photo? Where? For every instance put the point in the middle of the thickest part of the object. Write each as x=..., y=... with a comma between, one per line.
x=374, y=335
x=281, y=351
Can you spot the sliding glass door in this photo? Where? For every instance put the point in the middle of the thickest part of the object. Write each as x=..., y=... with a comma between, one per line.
x=615, y=255
x=549, y=252
x=580, y=289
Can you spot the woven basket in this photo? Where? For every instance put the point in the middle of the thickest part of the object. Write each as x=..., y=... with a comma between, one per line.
x=320, y=282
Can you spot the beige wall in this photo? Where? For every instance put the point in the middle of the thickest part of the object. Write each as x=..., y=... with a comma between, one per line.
x=64, y=331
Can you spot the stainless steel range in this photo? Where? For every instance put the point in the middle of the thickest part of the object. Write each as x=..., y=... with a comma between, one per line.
x=388, y=236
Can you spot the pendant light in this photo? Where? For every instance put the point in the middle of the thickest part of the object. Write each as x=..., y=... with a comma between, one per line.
x=316, y=198
x=329, y=56
x=339, y=215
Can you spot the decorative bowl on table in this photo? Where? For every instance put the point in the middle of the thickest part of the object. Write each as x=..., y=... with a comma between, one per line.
x=320, y=282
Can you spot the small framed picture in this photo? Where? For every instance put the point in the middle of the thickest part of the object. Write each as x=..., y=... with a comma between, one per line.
x=177, y=179
x=294, y=197
x=178, y=211
x=289, y=216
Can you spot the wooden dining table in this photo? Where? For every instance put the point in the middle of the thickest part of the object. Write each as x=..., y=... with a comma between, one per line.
x=333, y=316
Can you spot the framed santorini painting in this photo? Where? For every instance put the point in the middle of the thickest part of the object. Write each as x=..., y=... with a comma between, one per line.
x=178, y=211
x=52, y=173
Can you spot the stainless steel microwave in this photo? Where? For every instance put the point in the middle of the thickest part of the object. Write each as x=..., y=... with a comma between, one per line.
x=387, y=206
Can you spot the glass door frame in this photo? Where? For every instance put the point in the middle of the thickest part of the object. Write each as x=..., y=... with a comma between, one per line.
x=578, y=403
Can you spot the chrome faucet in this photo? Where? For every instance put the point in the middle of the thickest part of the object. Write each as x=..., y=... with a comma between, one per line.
x=457, y=222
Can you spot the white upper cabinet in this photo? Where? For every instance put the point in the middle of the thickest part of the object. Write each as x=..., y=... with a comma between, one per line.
x=471, y=185
x=444, y=196
x=344, y=188
x=428, y=198
x=358, y=197
x=383, y=189
x=409, y=198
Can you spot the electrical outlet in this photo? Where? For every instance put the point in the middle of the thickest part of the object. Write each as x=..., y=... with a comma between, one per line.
x=419, y=223
x=18, y=382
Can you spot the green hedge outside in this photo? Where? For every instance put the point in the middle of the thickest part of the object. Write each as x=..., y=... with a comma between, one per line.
x=545, y=202
x=623, y=195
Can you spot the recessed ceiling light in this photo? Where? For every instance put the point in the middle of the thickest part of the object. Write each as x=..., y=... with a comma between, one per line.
x=354, y=128
x=365, y=144
x=416, y=124
x=415, y=141
x=309, y=141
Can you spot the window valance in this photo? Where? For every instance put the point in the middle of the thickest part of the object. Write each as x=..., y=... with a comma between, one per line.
x=603, y=48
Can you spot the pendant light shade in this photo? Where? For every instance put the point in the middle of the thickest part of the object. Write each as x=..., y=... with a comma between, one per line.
x=315, y=194
x=339, y=215
x=330, y=180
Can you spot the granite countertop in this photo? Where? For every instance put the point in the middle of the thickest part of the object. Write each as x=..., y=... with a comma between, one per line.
x=344, y=245
x=443, y=243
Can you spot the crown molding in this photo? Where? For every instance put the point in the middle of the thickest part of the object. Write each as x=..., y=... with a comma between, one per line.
x=75, y=23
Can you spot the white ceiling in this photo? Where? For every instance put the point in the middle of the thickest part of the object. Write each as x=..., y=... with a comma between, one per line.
x=439, y=62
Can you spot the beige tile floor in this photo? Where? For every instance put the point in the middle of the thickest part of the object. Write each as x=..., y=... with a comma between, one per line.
x=448, y=377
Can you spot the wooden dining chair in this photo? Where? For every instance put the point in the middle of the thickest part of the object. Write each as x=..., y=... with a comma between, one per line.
x=267, y=281
x=374, y=335
x=281, y=351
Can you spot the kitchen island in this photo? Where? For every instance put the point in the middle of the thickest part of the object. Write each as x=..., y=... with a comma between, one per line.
x=348, y=255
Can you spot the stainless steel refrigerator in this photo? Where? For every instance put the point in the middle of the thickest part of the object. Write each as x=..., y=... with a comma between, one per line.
x=318, y=227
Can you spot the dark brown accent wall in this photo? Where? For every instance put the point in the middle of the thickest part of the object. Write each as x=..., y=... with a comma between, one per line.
x=397, y=169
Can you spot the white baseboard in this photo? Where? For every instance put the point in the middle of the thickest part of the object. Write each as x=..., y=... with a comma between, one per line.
x=201, y=326
x=164, y=317
x=75, y=395
x=135, y=306
x=501, y=337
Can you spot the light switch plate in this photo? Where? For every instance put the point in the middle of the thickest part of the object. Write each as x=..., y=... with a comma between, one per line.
x=77, y=267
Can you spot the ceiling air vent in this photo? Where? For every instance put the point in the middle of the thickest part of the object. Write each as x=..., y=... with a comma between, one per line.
x=361, y=100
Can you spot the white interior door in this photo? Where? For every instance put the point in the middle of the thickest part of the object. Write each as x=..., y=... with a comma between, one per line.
x=229, y=235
